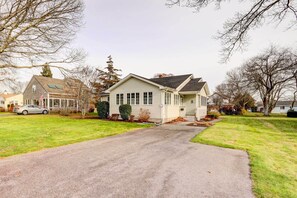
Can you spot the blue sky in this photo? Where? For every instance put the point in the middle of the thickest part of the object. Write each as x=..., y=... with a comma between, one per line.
x=146, y=37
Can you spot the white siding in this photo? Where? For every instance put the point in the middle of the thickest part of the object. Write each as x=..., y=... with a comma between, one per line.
x=190, y=103
x=134, y=85
x=170, y=111
x=279, y=110
x=201, y=110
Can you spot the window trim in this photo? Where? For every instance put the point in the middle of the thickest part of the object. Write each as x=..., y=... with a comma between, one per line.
x=167, y=98
x=149, y=99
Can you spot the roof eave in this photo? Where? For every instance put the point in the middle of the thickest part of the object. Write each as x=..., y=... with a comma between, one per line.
x=188, y=92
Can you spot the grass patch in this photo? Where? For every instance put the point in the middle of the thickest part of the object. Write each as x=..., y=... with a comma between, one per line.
x=272, y=145
x=22, y=134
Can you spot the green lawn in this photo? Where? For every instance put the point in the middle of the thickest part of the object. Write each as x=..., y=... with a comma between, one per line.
x=272, y=146
x=21, y=134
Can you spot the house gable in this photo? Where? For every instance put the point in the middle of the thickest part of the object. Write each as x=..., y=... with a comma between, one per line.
x=28, y=93
x=140, y=78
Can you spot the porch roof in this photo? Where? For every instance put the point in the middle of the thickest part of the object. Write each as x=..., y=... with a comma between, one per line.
x=193, y=85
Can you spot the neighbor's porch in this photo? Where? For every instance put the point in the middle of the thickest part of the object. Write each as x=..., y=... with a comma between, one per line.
x=55, y=102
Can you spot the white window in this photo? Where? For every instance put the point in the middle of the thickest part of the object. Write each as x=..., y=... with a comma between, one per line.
x=167, y=98
x=145, y=98
x=33, y=88
x=203, y=101
x=120, y=99
x=132, y=98
x=128, y=98
x=282, y=107
x=70, y=103
x=56, y=102
x=148, y=98
x=63, y=103
x=137, y=98
x=176, y=99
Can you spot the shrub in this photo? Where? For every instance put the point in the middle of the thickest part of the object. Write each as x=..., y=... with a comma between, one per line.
x=243, y=112
x=144, y=115
x=103, y=109
x=214, y=114
x=65, y=112
x=125, y=111
x=2, y=109
x=292, y=114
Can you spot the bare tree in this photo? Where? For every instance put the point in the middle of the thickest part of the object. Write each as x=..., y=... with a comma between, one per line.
x=80, y=81
x=35, y=33
x=269, y=75
x=293, y=88
x=234, y=90
x=235, y=30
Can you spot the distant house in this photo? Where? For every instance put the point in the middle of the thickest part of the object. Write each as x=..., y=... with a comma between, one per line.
x=51, y=93
x=166, y=98
x=283, y=107
x=8, y=99
x=280, y=107
x=2, y=102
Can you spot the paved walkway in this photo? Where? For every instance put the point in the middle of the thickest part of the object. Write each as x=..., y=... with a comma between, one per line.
x=155, y=162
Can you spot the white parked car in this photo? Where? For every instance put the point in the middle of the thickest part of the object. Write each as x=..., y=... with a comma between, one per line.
x=30, y=109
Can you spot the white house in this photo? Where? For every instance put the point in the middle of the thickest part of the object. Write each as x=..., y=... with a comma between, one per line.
x=280, y=107
x=283, y=107
x=2, y=102
x=166, y=98
x=7, y=99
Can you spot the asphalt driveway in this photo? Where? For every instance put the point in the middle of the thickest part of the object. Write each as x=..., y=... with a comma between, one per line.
x=155, y=162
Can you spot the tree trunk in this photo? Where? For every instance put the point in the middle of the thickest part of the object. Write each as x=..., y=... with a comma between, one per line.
x=266, y=107
x=294, y=100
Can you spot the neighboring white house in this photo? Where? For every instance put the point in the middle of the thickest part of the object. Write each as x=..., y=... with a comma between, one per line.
x=283, y=107
x=166, y=98
x=280, y=107
x=9, y=99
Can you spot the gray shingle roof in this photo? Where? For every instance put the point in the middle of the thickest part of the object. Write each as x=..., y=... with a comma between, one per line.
x=193, y=85
x=54, y=85
x=172, y=81
x=49, y=84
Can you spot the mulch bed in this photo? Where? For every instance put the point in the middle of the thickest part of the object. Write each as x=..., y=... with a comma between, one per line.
x=177, y=120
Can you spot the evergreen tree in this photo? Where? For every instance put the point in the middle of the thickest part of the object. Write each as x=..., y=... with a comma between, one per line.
x=46, y=71
x=107, y=77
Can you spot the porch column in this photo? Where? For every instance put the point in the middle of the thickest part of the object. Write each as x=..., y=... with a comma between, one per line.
x=198, y=104
x=48, y=102
x=162, y=107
